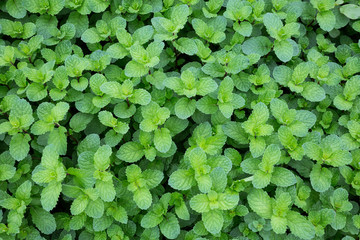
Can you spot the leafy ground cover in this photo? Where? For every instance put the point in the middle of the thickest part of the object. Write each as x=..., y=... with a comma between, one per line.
x=179, y=119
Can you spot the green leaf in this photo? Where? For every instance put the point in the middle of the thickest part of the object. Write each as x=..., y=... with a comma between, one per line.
x=182, y=211
x=184, y=108
x=102, y=157
x=96, y=81
x=43, y=220
x=352, y=11
x=19, y=146
x=170, y=228
x=24, y=190
x=272, y=23
x=180, y=14
x=135, y=69
x=140, y=96
x=79, y=121
x=79, y=205
x=320, y=178
x=112, y=88
x=130, y=152
x=300, y=226
x=200, y=203
x=182, y=179
x=257, y=45
x=228, y=200
x=207, y=105
x=97, y=5
x=284, y=50
x=261, y=179
x=50, y=158
x=213, y=221
x=58, y=139
x=326, y=20
x=162, y=140
x=15, y=8
x=153, y=178
x=55, y=6
x=151, y=220
x=244, y=28
x=50, y=195
x=91, y=35
x=36, y=92
x=260, y=203
x=143, y=34
x=235, y=131
x=206, y=86
x=257, y=146
x=95, y=208
x=341, y=103
x=279, y=224
x=313, y=92
x=186, y=45
x=218, y=179
x=6, y=172
x=143, y=198
x=283, y=177
x=122, y=110
x=106, y=190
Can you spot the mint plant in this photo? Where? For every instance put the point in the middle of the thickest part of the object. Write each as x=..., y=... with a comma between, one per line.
x=179, y=119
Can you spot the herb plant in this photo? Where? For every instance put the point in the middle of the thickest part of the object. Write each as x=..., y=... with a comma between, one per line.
x=179, y=119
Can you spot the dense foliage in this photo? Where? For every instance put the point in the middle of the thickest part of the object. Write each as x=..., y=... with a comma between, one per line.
x=179, y=119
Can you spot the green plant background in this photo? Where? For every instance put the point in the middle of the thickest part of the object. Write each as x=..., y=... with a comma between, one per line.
x=179, y=119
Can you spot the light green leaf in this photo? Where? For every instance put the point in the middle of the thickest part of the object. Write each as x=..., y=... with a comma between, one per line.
x=213, y=221
x=261, y=179
x=283, y=177
x=260, y=202
x=185, y=107
x=272, y=23
x=112, y=88
x=200, y=203
x=102, y=157
x=182, y=179
x=162, y=139
x=95, y=209
x=91, y=35
x=135, y=69
x=257, y=45
x=257, y=146
x=352, y=11
x=284, y=50
x=300, y=226
x=43, y=220
x=228, y=200
x=50, y=195
x=313, y=92
x=58, y=139
x=186, y=45
x=130, y=152
x=279, y=224
x=19, y=146
x=79, y=205
x=320, y=178
x=140, y=96
x=143, y=198
x=170, y=228
x=106, y=190
x=15, y=8
x=6, y=172
x=326, y=20
x=151, y=219
x=153, y=178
